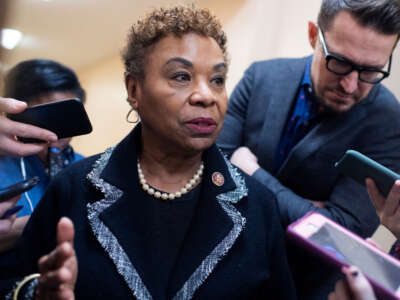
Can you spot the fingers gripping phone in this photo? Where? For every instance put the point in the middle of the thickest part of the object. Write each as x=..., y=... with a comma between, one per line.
x=66, y=118
x=18, y=188
x=339, y=247
x=15, y=190
x=359, y=167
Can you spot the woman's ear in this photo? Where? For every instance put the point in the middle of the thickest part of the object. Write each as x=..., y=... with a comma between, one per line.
x=131, y=85
x=312, y=34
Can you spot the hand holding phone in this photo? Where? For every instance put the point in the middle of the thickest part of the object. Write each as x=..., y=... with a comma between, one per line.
x=339, y=247
x=9, y=146
x=18, y=188
x=359, y=167
x=13, y=191
x=9, y=212
x=66, y=118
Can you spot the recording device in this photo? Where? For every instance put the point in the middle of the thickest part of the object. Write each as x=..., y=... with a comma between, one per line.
x=15, y=190
x=11, y=211
x=66, y=118
x=359, y=167
x=18, y=188
x=339, y=247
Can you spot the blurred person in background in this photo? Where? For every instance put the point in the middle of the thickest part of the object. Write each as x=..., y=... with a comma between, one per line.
x=290, y=120
x=34, y=82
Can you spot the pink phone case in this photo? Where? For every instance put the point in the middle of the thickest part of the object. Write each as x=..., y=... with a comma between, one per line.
x=335, y=258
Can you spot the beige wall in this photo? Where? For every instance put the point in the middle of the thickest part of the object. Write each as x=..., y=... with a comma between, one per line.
x=106, y=105
x=256, y=29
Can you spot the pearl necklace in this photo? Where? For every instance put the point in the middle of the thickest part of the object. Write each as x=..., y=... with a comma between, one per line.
x=169, y=196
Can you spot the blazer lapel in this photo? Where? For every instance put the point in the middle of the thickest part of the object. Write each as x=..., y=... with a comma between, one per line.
x=214, y=229
x=326, y=131
x=281, y=93
x=108, y=217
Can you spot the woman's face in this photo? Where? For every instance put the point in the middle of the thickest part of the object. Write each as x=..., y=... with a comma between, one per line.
x=182, y=99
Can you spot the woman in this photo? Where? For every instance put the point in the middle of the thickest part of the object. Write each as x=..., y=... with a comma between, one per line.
x=163, y=214
x=36, y=82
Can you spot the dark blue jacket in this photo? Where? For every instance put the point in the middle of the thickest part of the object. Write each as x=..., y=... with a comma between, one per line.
x=234, y=248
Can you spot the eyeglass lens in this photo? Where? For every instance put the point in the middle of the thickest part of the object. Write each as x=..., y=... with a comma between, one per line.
x=342, y=67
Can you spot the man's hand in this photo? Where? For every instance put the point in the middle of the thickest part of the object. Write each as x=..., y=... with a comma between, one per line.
x=59, y=269
x=388, y=209
x=244, y=159
x=9, y=130
x=6, y=224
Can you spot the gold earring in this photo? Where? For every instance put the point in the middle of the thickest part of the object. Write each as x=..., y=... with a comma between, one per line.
x=129, y=113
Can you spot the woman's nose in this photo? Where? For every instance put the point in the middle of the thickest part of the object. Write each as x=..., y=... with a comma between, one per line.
x=202, y=95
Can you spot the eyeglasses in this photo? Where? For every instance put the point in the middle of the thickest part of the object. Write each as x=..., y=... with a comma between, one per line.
x=342, y=66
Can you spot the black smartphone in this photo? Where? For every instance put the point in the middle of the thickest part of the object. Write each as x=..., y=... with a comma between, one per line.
x=66, y=118
x=11, y=211
x=359, y=167
x=18, y=188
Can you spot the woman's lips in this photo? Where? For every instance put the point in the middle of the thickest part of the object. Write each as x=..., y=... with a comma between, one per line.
x=202, y=125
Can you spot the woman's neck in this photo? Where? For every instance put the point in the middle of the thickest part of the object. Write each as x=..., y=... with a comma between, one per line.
x=168, y=173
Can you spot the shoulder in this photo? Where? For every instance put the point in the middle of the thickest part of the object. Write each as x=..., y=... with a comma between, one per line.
x=387, y=97
x=260, y=209
x=271, y=65
x=382, y=103
x=68, y=193
x=84, y=165
x=78, y=156
x=259, y=192
x=261, y=201
x=76, y=173
x=266, y=75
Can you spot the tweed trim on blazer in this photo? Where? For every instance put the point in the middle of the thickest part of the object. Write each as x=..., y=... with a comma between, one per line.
x=121, y=260
x=208, y=264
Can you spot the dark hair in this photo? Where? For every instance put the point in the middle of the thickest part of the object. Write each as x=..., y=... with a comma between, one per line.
x=380, y=15
x=161, y=22
x=34, y=78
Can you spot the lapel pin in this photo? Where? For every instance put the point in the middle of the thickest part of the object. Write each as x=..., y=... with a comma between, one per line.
x=218, y=179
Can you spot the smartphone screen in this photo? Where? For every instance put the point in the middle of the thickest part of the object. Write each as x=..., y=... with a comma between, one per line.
x=338, y=246
x=350, y=251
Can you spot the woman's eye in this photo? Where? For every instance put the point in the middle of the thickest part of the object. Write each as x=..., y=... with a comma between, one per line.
x=220, y=80
x=181, y=77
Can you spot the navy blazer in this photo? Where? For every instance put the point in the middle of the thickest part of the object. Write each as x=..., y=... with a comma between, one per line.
x=234, y=248
x=257, y=113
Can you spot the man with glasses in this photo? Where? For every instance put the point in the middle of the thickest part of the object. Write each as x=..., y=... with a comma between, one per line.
x=290, y=120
